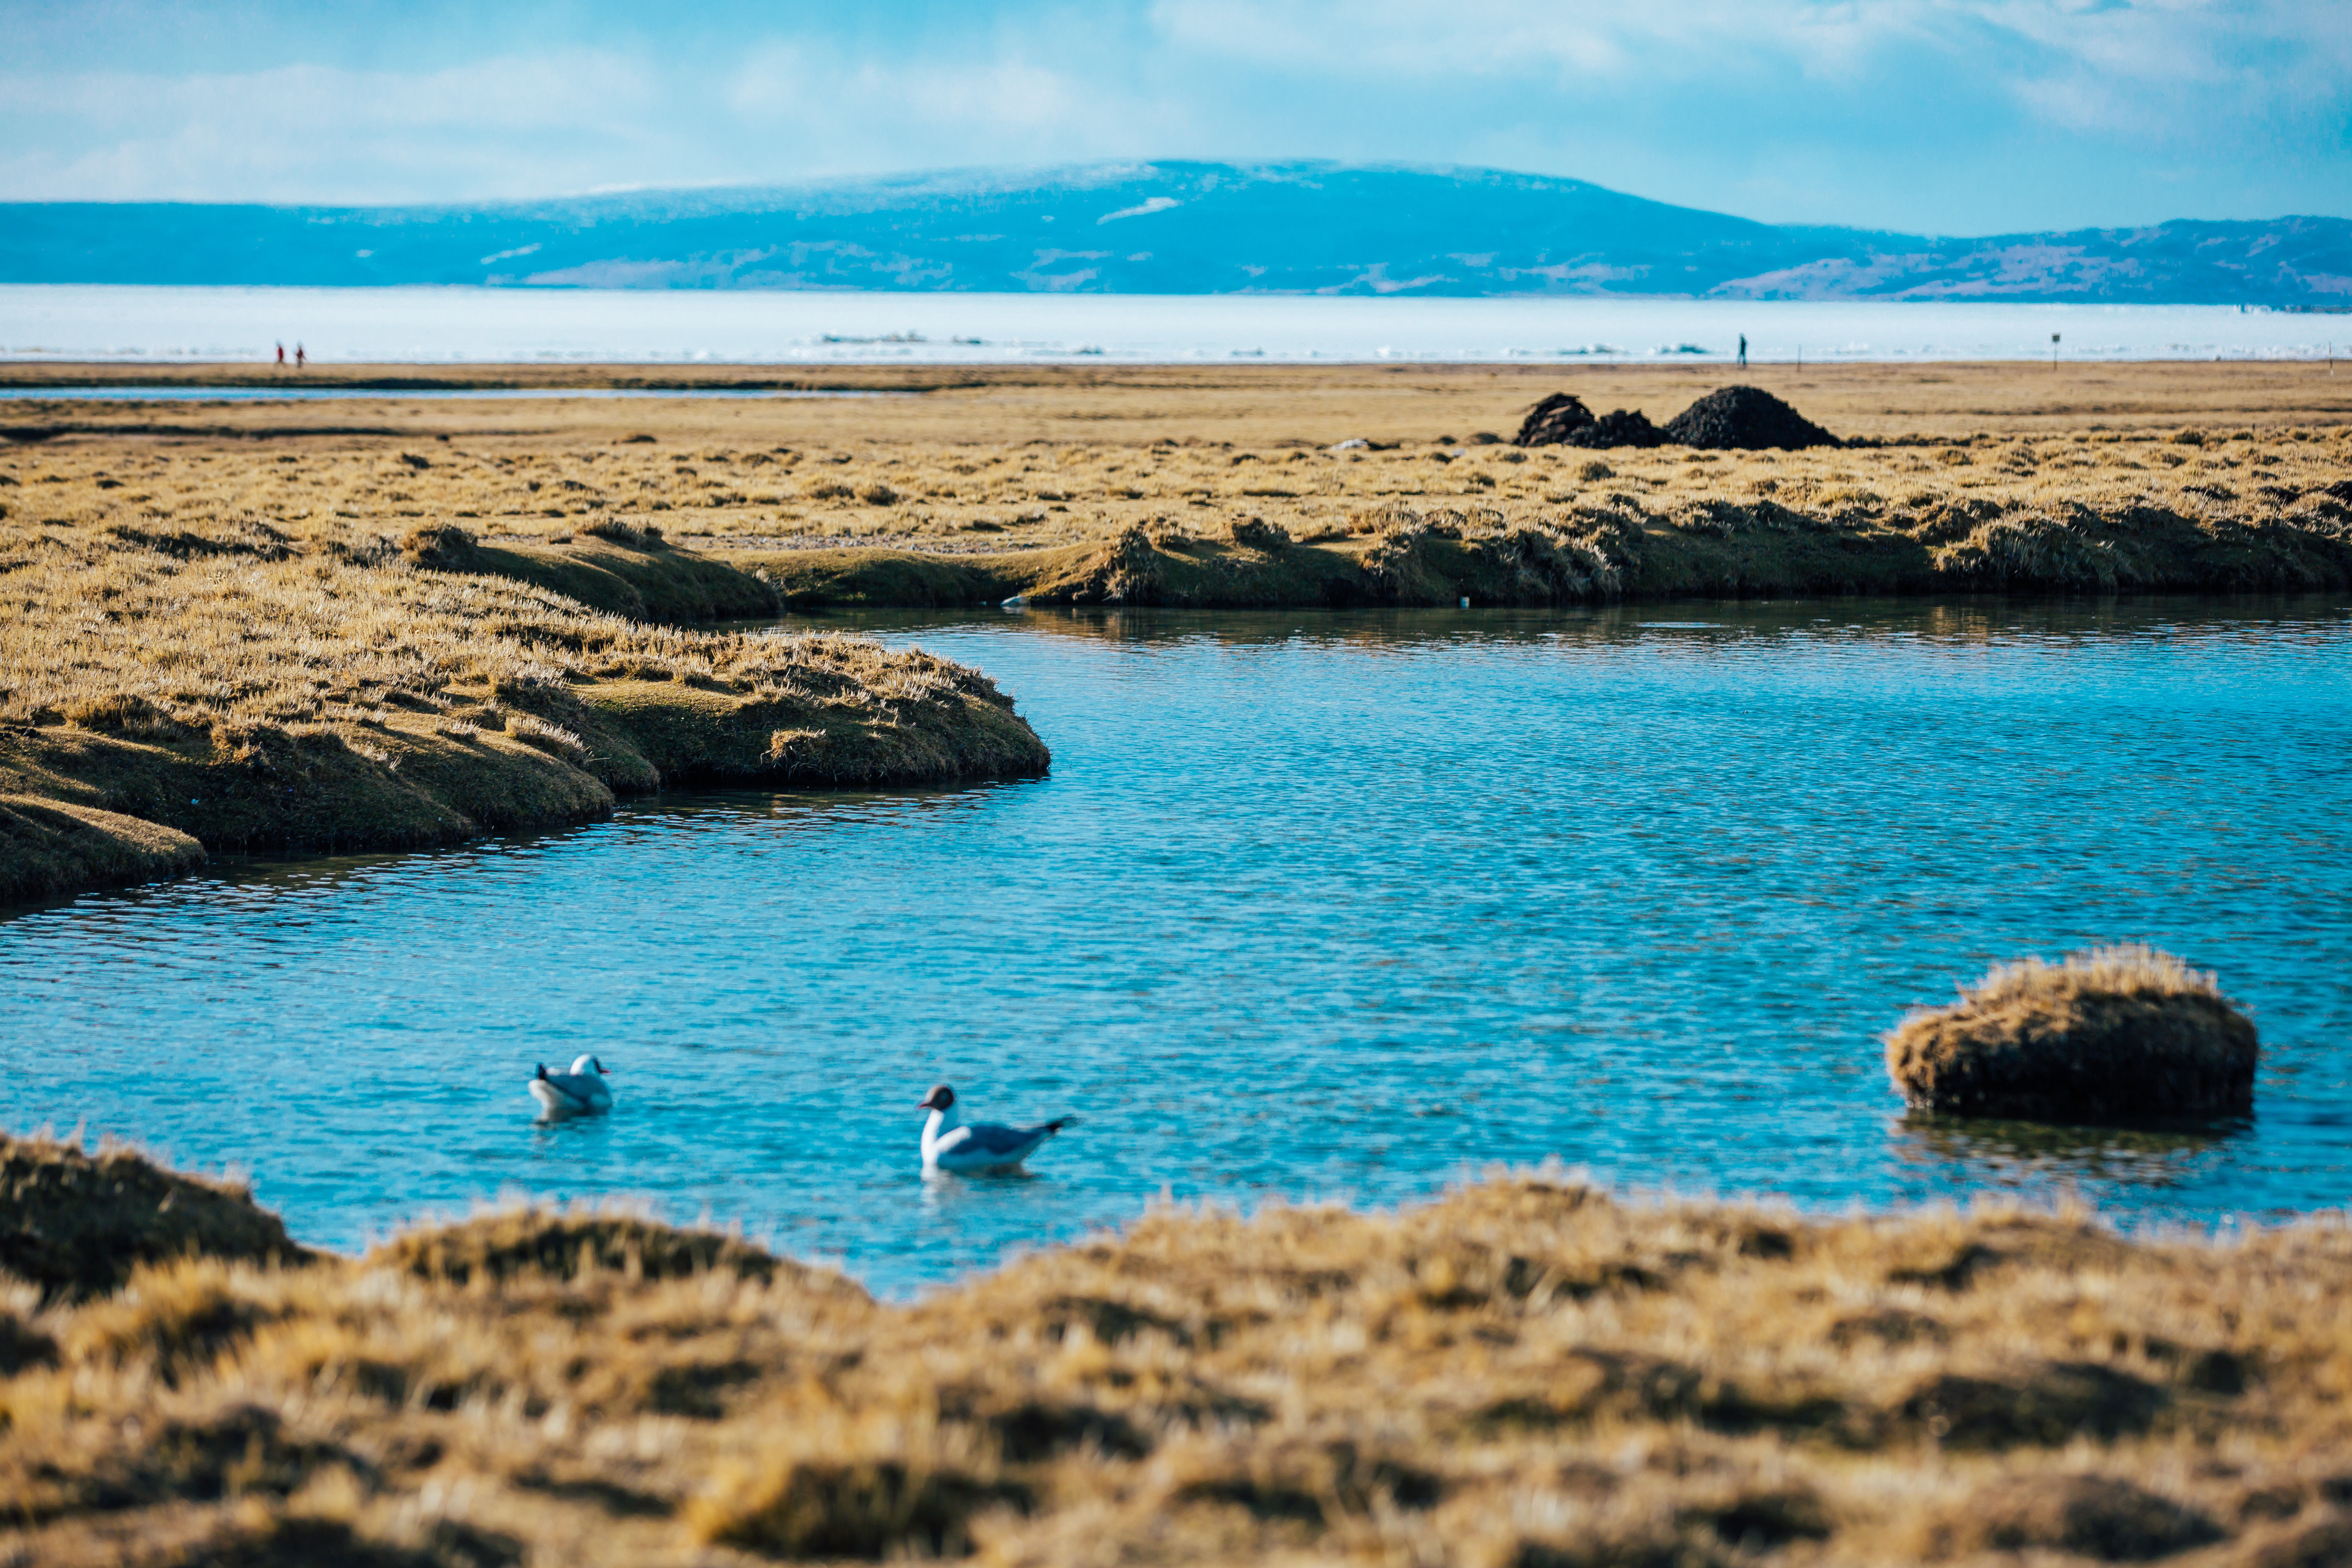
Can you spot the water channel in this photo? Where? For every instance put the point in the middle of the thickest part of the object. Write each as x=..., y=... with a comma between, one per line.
x=1312, y=907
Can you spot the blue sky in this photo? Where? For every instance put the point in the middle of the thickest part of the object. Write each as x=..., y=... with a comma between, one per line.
x=1937, y=116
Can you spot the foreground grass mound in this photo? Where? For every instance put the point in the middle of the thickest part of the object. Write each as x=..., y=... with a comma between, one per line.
x=76, y=1224
x=1525, y=1373
x=2116, y=1034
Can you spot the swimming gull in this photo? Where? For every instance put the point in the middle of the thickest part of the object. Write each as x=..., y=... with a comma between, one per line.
x=580, y=1092
x=950, y=1143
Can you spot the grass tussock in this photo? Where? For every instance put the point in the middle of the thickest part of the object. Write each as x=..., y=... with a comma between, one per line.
x=531, y=1242
x=75, y=1223
x=52, y=848
x=1522, y=1373
x=2114, y=1034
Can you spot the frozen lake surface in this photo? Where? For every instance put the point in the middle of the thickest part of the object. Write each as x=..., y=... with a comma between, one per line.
x=422, y=325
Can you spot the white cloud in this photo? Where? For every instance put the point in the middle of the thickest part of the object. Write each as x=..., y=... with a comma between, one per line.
x=1141, y=209
x=1956, y=115
x=848, y=114
x=2083, y=63
x=287, y=131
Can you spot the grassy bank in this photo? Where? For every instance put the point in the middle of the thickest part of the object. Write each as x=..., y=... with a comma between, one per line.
x=1428, y=523
x=650, y=531
x=175, y=686
x=1525, y=1373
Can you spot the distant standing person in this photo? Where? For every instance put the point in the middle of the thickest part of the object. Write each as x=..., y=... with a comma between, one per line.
x=282, y=354
x=300, y=359
x=1743, y=352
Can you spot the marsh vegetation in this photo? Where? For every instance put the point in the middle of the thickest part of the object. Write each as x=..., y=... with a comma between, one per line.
x=1526, y=1372
x=199, y=668
x=250, y=632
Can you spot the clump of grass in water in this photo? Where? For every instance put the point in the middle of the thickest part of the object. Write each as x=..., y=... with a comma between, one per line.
x=2123, y=1033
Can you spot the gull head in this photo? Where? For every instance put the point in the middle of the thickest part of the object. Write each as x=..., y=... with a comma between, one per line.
x=939, y=1099
x=583, y=1066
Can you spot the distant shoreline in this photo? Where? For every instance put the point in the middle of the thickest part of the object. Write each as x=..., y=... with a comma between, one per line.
x=788, y=331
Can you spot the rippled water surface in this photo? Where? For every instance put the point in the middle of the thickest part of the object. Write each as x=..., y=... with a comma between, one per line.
x=1311, y=906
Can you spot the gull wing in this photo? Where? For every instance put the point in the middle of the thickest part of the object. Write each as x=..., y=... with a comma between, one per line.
x=988, y=1138
x=568, y=1086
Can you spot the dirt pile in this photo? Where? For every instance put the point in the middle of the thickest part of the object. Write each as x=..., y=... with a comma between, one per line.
x=1563, y=420
x=2116, y=1033
x=1744, y=419
x=76, y=1224
x=1551, y=422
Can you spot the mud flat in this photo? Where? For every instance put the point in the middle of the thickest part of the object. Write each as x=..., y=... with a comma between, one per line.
x=1526, y=1372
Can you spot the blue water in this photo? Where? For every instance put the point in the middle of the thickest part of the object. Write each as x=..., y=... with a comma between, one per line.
x=1312, y=906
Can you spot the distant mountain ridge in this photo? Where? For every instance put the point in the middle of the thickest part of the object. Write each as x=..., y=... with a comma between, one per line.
x=1167, y=228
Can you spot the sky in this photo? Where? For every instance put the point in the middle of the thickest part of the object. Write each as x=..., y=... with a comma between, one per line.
x=1956, y=117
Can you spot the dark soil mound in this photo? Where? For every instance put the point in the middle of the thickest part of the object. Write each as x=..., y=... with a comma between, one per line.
x=1746, y=419
x=1621, y=427
x=1552, y=421
x=1563, y=420
x=76, y=1224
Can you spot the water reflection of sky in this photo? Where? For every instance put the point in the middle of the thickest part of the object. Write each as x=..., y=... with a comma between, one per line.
x=1311, y=906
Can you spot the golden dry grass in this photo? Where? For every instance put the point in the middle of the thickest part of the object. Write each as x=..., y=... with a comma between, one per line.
x=1524, y=1372
x=2114, y=1033
x=888, y=519
x=235, y=674
x=1135, y=405
x=418, y=621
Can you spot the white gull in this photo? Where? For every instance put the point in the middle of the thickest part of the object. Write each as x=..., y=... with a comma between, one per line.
x=580, y=1092
x=950, y=1143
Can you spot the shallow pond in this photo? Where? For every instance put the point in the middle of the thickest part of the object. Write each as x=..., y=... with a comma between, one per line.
x=1312, y=906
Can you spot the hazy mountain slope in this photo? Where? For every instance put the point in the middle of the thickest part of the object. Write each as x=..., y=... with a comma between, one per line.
x=1175, y=227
